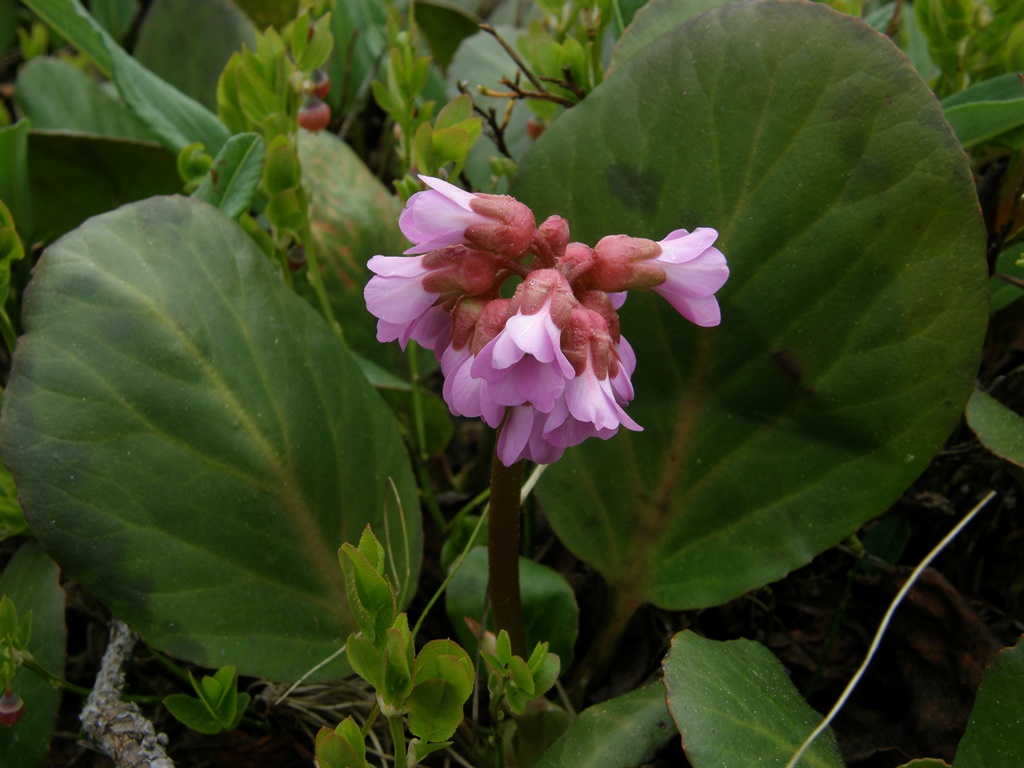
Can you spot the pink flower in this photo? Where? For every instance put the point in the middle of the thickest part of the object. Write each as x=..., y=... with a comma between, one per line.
x=446, y=215
x=411, y=294
x=404, y=308
x=683, y=268
x=694, y=271
x=524, y=363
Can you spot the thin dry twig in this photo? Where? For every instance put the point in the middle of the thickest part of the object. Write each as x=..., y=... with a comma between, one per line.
x=117, y=727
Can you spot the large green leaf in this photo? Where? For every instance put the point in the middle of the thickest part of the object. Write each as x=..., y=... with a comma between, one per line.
x=58, y=96
x=994, y=737
x=31, y=581
x=75, y=176
x=852, y=321
x=192, y=444
x=188, y=42
x=623, y=732
x=736, y=707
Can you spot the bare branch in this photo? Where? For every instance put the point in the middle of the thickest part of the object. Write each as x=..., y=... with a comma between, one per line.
x=115, y=726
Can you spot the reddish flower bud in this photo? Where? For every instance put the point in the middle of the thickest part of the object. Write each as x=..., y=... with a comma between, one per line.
x=550, y=240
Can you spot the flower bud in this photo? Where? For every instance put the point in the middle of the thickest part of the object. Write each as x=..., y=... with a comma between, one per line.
x=550, y=240
x=622, y=263
x=510, y=231
x=459, y=270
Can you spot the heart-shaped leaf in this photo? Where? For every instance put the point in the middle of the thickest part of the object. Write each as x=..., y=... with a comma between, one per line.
x=851, y=324
x=192, y=444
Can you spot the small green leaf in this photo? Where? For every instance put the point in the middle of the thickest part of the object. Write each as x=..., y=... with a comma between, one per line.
x=998, y=428
x=232, y=180
x=335, y=750
x=365, y=660
x=372, y=549
x=398, y=664
x=435, y=710
x=994, y=737
x=193, y=712
x=522, y=676
x=735, y=706
x=316, y=51
x=369, y=594
x=445, y=660
x=503, y=648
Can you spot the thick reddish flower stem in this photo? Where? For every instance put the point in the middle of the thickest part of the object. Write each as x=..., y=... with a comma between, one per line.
x=503, y=552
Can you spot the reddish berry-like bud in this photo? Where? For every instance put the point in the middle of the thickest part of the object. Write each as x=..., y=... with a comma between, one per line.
x=534, y=128
x=321, y=83
x=314, y=115
x=11, y=708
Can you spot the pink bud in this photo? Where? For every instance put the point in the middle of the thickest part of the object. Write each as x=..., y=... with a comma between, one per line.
x=550, y=240
x=510, y=231
x=622, y=263
x=11, y=708
x=457, y=270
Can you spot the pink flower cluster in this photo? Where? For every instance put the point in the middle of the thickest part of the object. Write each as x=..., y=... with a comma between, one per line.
x=548, y=366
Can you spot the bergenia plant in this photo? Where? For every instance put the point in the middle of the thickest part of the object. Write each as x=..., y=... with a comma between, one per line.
x=548, y=367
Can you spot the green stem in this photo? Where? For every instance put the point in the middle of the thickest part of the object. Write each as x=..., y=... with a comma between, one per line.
x=503, y=552
x=398, y=740
x=316, y=280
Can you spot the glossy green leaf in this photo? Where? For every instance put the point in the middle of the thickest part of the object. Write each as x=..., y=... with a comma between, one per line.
x=235, y=175
x=735, y=706
x=994, y=737
x=623, y=732
x=998, y=428
x=176, y=406
x=992, y=110
x=75, y=176
x=59, y=96
x=851, y=324
x=188, y=42
x=550, y=613
x=31, y=580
